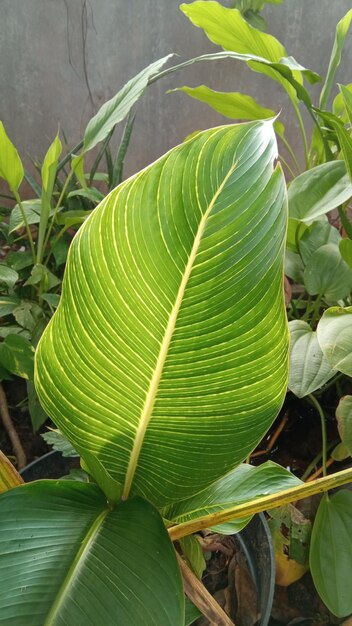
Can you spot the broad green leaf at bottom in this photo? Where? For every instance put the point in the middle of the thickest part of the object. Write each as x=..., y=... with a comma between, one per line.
x=67, y=560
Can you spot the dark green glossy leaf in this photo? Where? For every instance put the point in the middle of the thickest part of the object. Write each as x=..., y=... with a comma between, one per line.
x=331, y=552
x=344, y=421
x=31, y=210
x=327, y=274
x=316, y=236
x=318, y=191
x=335, y=337
x=68, y=559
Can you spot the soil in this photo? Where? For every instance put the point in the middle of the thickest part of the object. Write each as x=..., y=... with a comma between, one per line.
x=296, y=445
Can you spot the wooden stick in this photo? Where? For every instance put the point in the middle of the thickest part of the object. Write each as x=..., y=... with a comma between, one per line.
x=200, y=596
x=11, y=431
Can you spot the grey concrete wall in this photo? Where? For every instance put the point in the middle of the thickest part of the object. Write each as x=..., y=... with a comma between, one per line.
x=61, y=59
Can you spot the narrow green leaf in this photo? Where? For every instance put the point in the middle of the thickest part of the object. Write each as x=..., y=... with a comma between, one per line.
x=170, y=276
x=8, y=276
x=36, y=411
x=309, y=369
x=234, y=105
x=17, y=356
x=318, y=191
x=91, y=464
x=345, y=141
x=49, y=170
x=347, y=99
x=295, y=230
x=327, y=274
x=116, y=109
x=194, y=554
x=243, y=484
x=111, y=567
x=335, y=337
x=77, y=165
x=345, y=247
x=331, y=552
x=71, y=218
x=344, y=421
x=335, y=58
x=11, y=168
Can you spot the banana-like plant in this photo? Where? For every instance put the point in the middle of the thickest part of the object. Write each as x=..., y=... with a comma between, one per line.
x=164, y=365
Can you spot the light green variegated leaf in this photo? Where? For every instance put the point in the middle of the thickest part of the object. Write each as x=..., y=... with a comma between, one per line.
x=243, y=484
x=318, y=191
x=66, y=558
x=335, y=337
x=309, y=369
x=331, y=552
x=168, y=351
x=228, y=28
x=236, y=106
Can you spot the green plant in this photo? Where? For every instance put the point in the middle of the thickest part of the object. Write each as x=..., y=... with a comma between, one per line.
x=319, y=250
x=161, y=369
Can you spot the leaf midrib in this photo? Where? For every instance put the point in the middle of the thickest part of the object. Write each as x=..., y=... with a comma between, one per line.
x=154, y=384
x=76, y=565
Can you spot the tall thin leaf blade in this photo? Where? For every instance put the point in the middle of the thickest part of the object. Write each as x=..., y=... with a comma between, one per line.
x=168, y=351
x=11, y=168
x=49, y=169
x=335, y=58
x=81, y=563
x=116, y=109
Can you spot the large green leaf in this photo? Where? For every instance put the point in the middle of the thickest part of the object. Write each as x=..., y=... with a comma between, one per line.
x=318, y=191
x=315, y=236
x=68, y=559
x=167, y=356
x=243, y=484
x=331, y=552
x=335, y=337
x=309, y=369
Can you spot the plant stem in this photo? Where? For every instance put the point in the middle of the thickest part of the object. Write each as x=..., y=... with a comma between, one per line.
x=69, y=155
x=25, y=221
x=318, y=407
x=51, y=226
x=200, y=596
x=290, y=170
x=291, y=152
x=302, y=129
x=11, y=431
x=266, y=503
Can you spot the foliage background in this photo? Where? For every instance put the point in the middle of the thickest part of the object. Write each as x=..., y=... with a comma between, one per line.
x=61, y=60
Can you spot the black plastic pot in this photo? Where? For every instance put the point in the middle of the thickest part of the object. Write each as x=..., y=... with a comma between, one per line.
x=254, y=540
